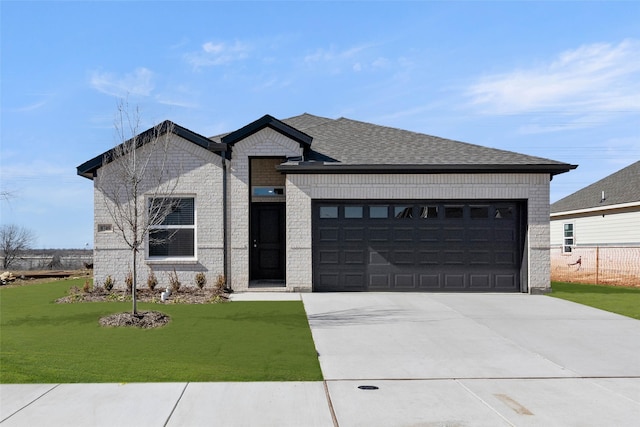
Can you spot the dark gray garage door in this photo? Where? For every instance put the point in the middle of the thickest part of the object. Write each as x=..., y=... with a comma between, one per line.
x=417, y=246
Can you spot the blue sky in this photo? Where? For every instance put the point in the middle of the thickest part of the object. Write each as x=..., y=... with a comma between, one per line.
x=554, y=79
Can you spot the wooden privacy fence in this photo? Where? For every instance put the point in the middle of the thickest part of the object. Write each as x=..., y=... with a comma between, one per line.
x=599, y=265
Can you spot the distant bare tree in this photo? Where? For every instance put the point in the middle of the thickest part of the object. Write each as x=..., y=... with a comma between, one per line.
x=6, y=195
x=13, y=241
x=137, y=186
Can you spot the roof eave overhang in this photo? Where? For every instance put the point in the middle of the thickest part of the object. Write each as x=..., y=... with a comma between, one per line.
x=339, y=168
x=89, y=168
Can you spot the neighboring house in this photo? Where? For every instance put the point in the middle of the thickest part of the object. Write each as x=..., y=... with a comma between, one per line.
x=595, y=232
x=316, y=204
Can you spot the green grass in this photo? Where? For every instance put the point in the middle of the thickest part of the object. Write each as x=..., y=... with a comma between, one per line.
x=625, y=301
x=44, y=342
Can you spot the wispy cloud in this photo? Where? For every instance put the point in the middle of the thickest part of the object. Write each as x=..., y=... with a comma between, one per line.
x=137, y=83
x=595, y=77
x=214, y=53
x=355, y=58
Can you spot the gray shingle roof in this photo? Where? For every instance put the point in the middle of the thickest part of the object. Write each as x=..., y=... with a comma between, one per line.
x=352, y=142
x=620, y=187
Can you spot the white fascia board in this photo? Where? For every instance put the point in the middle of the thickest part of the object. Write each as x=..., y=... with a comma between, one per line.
x=596, y=209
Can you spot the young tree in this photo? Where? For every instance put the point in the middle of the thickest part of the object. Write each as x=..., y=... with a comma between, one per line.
x=137, y=183
x=13, y=241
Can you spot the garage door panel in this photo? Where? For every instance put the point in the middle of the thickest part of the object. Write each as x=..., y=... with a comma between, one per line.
x=416, y=245
x=403, y=234
x=479, y=257
x=506, y=282
x=505, y=235
x=453, y=234
x=328, y=234
x=379, y=257
x=379, y=234
x=354, y=280
x=454, y=281
x=504, y=258
x=480, y=281
x=356, y=256
x=404, y=257
x=404, y=281
x=429, y=234
x=379, y=282
x=329, y=256
x=479, y=234
x=429, y=281
x=353, y=234
x=454, y=257
x=429, y=257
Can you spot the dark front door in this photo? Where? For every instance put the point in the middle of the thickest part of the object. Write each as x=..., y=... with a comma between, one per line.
x=267, y=241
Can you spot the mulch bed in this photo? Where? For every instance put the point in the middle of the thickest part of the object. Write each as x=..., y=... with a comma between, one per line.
x=143, y=319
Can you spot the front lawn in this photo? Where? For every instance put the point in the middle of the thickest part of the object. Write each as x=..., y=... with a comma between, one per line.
x=625, y=301
x=45, y=342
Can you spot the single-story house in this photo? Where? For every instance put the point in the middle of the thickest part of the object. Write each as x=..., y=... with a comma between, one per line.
x=595, y=232
x=311, y=203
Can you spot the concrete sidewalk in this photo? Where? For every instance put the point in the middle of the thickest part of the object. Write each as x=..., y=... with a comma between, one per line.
x=433, y=359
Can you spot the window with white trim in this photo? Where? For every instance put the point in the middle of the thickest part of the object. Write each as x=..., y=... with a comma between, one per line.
x=174, y=237
x=569, y=240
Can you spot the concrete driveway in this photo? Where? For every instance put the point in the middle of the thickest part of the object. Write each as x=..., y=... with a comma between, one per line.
x=481, y=359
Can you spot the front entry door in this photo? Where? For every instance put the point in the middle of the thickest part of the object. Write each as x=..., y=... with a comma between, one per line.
x=267, y=241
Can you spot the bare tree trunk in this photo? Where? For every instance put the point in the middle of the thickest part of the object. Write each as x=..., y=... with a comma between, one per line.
x=135, y=284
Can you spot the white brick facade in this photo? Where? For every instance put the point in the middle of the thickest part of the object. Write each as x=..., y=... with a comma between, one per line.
x=198, y=173
x=264, y=143
x=194, y=172
x=301, y=189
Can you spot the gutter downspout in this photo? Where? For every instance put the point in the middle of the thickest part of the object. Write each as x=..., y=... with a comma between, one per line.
x=225, y=257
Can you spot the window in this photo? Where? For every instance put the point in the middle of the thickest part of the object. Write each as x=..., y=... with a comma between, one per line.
x=174, y=236
x=428, y=212
x=328, y=212
x=504, y=212
x=268, y=191
x=105, y=228
x=353, y=211
x=568, y=240
x=454, y=212
x=479, y=212
x=378, y=211
x=403, y=211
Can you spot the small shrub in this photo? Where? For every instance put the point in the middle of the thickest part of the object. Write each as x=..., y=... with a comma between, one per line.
x=174, y=281
x=108, y=283
x=129, y=281
x=87, y=286
x=152, y=280
x=221, y=282
x=201, y=280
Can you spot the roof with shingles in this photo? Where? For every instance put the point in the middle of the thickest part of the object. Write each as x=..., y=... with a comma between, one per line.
x=352, y=142
x=620, y=187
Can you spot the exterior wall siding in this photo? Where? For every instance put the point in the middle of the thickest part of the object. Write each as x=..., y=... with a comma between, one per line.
x=192, y=171
x=534, y=188
x=612, y=228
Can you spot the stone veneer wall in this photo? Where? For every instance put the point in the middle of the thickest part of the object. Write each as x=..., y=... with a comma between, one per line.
x=301, y=189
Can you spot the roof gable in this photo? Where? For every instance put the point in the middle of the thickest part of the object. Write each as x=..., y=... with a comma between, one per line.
x=268, y=121
x=620, y=187
x=89, y=168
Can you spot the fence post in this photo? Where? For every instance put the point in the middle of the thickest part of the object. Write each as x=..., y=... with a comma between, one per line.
x=597, y=264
